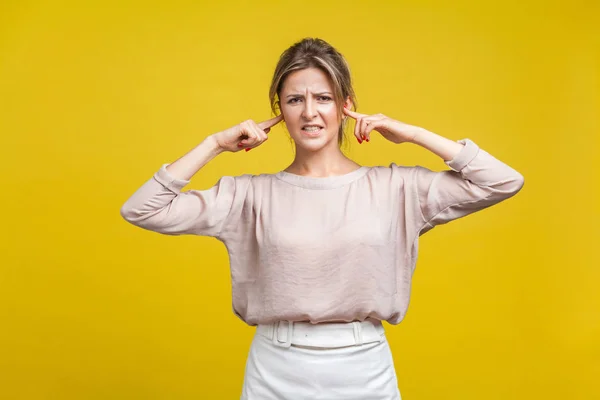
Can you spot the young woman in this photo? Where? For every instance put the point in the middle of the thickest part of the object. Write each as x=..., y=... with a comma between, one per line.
x=323, y=251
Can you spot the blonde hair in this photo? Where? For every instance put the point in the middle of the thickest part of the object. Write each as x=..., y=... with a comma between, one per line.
x=314, y=53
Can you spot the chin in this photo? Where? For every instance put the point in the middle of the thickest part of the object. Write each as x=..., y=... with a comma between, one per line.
x=321, y=136
x=314, y=144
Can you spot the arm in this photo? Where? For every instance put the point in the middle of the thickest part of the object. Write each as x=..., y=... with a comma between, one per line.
x=160, y=206
x=445, y=148
x=477, y=180
x=189, y=164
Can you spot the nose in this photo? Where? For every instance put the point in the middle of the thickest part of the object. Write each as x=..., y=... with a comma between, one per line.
x=310, y=110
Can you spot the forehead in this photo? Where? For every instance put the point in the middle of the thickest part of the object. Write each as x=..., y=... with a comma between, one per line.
x=309, y=78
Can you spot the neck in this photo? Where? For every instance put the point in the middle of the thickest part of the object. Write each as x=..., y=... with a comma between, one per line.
x=327, y=161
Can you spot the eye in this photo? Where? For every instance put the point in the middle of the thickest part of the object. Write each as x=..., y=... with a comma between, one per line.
x=321, y=98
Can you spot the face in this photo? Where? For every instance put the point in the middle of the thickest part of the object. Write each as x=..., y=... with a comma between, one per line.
x=309, y=109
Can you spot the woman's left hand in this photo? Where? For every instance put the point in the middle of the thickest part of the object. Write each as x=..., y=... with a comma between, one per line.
x=392, y=130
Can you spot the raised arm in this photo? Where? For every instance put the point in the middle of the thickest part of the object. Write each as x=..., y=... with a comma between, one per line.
x=159, y=204
x=245, y=135
x=477, y=180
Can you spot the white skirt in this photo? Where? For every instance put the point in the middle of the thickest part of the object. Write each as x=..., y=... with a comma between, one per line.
x=330, y=361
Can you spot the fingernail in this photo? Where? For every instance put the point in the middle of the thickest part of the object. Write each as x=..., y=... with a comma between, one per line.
x=359, y=141
x=240, y=145
x=367, y=139
x=248, y=149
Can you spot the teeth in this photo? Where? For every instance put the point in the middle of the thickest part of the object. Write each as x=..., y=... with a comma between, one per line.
x=312, y=128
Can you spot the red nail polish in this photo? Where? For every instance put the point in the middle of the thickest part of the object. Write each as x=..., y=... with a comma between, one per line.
x=248, y=149
x=240, y=145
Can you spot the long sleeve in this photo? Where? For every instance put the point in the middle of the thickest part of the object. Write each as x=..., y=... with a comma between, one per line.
x=159, y=205
x=477, y=180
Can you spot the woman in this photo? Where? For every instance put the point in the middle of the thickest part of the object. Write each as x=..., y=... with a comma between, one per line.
x=323, y=251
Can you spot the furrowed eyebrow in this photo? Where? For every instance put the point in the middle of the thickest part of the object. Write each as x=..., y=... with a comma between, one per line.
x=300, y=95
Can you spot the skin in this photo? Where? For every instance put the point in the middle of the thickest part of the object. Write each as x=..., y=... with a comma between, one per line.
x=306, y=97
x=317, y=156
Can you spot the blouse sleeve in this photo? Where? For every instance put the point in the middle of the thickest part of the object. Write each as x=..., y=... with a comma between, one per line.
x=477, y=180
x=159, y=205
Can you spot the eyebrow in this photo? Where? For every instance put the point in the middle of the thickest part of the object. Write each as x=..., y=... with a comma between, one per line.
x=300, y=95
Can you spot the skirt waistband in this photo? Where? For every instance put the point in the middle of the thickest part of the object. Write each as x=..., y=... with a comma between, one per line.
x=331, y=335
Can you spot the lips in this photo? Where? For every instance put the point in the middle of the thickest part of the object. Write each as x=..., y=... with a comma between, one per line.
x=313, y=132
x=312, y=126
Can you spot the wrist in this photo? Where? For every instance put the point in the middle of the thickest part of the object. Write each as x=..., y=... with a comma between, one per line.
x=419, y=135
x=214, y=147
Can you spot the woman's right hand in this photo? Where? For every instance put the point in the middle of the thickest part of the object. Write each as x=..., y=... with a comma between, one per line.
x=246, y=135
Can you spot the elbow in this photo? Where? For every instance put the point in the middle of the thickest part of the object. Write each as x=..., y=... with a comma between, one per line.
x=129, y=214
x=126, y=212
x=505, y=188
x=512, y=185
x=137, y=219
x=146, y=220
x=517, y=183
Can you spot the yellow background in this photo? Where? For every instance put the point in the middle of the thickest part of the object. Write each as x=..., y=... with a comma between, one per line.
x=95, y=96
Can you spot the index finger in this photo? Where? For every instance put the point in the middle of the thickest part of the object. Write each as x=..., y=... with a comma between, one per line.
x=270, y=122
x=353, y=114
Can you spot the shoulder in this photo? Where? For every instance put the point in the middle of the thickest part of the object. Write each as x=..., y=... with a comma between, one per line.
x=399, y=176
x=250, y=181
x=254, y=178
x=393, y=170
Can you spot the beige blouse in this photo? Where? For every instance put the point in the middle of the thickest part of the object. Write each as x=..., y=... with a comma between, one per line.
x=339, y=248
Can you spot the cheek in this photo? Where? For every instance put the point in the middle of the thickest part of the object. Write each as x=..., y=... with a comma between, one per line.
x=289, y=113
x=290, y=119
x=329, y=111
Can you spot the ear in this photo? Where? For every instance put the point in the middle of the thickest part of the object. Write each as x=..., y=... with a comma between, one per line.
x=348, y=103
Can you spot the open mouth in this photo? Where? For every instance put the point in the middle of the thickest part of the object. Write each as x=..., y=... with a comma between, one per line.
x=312, y=130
